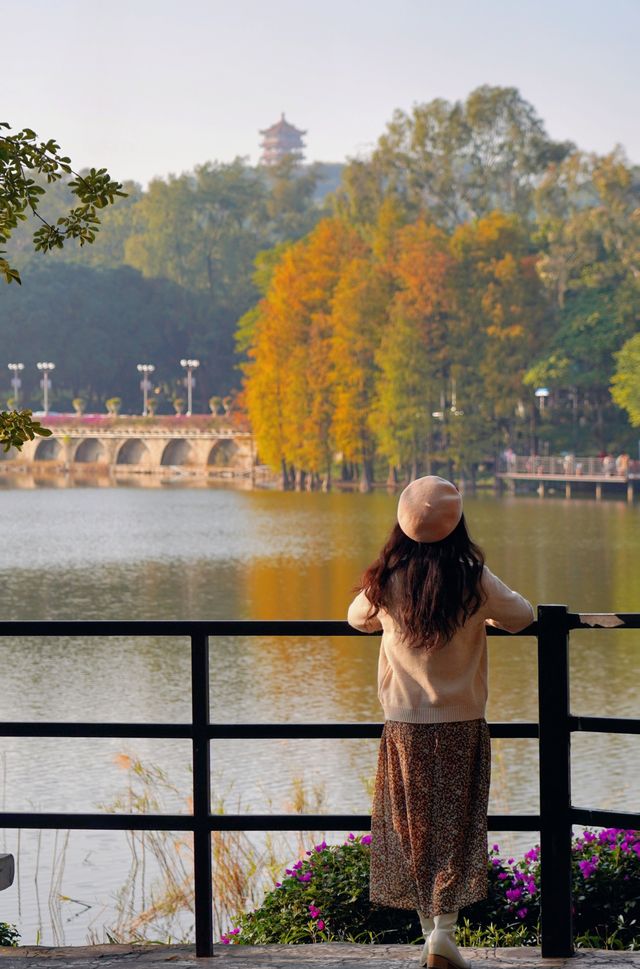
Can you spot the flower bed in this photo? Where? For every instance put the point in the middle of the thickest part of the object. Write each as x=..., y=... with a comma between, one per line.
x=325, y=897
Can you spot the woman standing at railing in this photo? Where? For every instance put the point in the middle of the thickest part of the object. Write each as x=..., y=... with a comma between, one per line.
x=431, y=594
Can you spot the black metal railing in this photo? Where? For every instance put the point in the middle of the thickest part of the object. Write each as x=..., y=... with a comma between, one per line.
x=553, y=731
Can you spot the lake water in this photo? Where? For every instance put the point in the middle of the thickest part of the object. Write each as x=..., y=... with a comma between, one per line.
x=209, y=553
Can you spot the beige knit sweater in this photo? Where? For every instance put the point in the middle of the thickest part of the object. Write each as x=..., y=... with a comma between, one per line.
x=446, y=684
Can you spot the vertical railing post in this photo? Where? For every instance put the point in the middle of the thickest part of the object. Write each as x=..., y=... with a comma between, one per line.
x=201, y=795
x=555, y=782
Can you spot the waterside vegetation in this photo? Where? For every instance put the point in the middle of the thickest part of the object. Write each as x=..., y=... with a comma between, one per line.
x=324, y=895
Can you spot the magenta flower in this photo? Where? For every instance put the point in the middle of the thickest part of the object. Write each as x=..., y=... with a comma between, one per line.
x=496, y=848
x=588, y=867
x=319, y=847
x=320, y=924
x=502, y=876
x=352, y=836
x=278, y=884
x=297, y=865
x=522, y=912
x=513, y=894
x=533, y=855
x=314, y=911
x=224, y=940
x=306, y=877
x=234, y=931
x=366, y=839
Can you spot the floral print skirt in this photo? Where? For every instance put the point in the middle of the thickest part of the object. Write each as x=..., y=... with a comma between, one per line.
x=429, y=816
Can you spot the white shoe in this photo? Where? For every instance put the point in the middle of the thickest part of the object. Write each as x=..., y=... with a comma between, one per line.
x=427, y=924
x=443, y=951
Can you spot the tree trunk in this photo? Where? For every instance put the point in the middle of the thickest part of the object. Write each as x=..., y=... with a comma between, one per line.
x=392, y=477
x=300, y=479
x=365, y=478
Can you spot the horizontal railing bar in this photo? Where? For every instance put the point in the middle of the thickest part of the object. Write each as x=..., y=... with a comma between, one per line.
x=344, y=822
x=179, y=627
x=605, y=819
x=605, y=724
x=46, y=728
x=231, y=731
x=263, y=627
x=227, y=822
x=183, y=627
x=97, y=822
x=306, y=731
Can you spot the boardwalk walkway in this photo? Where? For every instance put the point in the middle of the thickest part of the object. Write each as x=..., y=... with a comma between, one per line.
x=569, y=471
x=327, y=956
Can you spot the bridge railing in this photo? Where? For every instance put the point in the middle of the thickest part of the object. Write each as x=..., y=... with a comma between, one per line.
x=570, y=466
x=553, y=731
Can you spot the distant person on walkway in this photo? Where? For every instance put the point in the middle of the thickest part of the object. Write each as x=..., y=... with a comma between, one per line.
x=622, y=465
x=431, y=594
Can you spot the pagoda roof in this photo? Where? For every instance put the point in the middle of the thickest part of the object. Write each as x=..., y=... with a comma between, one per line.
x=282, y=127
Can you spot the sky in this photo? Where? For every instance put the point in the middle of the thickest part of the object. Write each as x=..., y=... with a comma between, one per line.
x=151, y=87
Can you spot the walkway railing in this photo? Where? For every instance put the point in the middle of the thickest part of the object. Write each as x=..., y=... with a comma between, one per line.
x=553, y=730
x=570, y=466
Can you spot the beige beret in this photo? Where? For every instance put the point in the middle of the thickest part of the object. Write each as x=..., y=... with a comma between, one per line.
x=429, y=509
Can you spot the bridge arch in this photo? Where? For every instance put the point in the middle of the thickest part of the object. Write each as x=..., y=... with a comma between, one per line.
x=223, y=453
x=176, y=452
x=89, y=450
x=48, y=450
x=133, y=451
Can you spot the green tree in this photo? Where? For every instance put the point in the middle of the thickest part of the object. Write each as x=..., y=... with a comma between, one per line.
x=459, y=161
x=22, y=157
x=625, y=385
x=96, y=325
x=590, y=263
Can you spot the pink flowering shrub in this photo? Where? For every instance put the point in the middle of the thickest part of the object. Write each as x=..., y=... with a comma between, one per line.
x=325, y=897
x=606, y=900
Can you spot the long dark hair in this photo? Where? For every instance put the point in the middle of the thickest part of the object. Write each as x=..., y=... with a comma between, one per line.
x=430, y=588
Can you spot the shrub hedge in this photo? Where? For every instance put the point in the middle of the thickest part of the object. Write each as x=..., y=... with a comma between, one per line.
x=324, y=897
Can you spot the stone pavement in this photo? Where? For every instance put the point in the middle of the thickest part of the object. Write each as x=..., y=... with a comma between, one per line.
x=324, y=956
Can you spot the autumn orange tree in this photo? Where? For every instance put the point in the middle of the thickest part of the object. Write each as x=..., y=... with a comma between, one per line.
x=358, y=318
x=412, y=357
x=502, y=321
x=289, y=370
x=400, y=344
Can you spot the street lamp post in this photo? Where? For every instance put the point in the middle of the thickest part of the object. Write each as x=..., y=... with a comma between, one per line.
x=190, y=366
x=45, y=383
x=145, y=385
x=16, y=383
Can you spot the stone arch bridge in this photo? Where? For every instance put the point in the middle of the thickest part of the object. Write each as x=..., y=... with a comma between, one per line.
x=134, y=449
